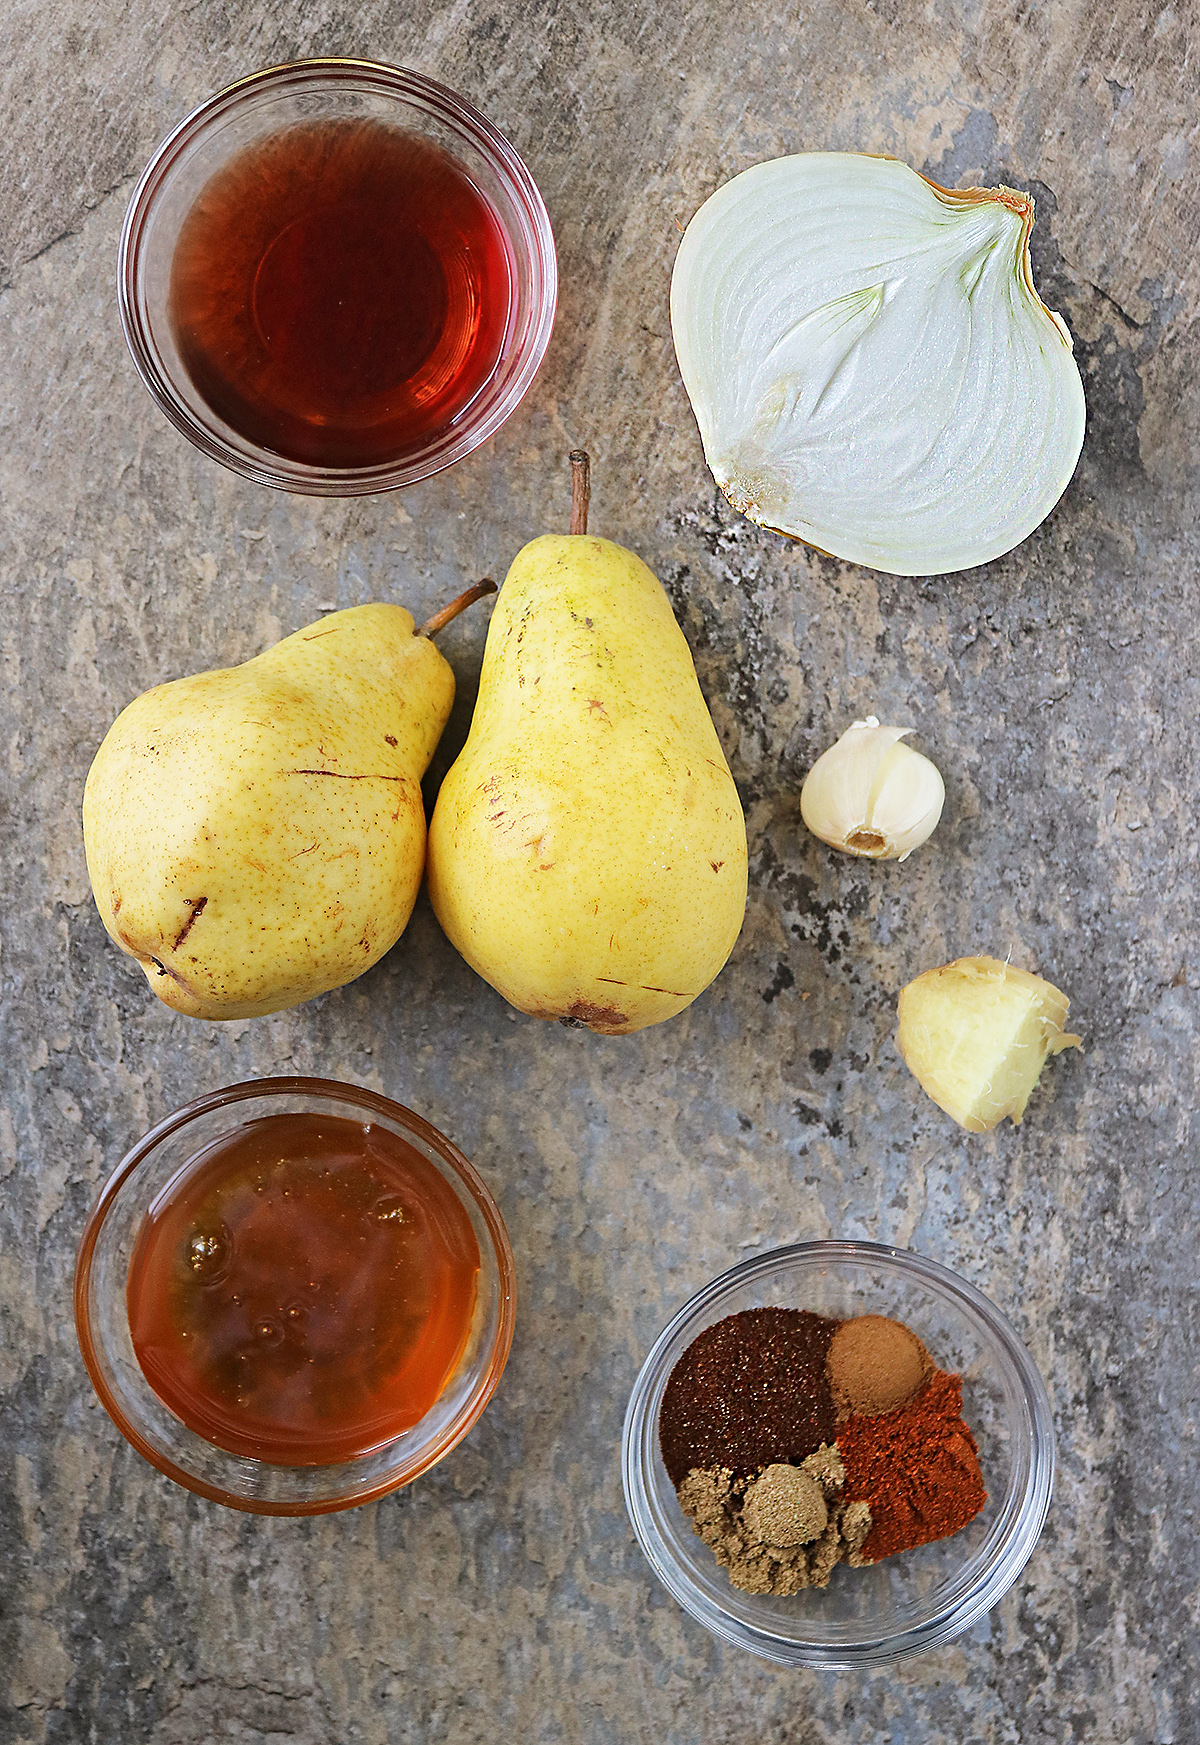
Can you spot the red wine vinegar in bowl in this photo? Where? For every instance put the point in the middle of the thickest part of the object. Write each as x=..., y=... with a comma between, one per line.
x=337, y=277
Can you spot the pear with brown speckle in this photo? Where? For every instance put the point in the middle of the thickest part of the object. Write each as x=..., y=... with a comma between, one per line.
x=587, y=854
x=255, y=835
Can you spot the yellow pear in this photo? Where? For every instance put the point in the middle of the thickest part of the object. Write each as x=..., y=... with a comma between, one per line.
x=256, y=835
x=587, y=853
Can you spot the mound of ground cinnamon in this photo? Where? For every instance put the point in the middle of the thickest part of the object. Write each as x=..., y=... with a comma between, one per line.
x=796, y=1442
x=874, y=1365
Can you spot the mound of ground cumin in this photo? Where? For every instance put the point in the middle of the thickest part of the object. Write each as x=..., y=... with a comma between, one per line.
x=783, y=1531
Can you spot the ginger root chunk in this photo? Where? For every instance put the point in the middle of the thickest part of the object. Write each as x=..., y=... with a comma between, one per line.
x=976, y=1033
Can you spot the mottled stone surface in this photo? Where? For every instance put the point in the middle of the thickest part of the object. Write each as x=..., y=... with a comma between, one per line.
x=503, y=1595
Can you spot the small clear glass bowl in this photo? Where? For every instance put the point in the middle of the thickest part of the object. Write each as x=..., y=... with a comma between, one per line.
x=102, y=1322
x=265, y=103
x=905, y=1604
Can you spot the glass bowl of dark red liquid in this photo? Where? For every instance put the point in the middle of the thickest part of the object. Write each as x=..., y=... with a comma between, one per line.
x=293, y=1296
x=906, y=1603
x=337, y=277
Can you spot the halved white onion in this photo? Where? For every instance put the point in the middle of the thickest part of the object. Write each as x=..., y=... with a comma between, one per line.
x=870, y=366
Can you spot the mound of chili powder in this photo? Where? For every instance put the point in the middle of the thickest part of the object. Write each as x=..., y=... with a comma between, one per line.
x=750, y=1391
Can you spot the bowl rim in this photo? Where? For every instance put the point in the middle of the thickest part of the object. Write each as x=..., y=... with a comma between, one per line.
x=257, y=464
x=339, y=1091
x=1009, y=1556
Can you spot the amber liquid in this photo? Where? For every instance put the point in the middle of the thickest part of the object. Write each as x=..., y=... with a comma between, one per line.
x=340, y=293
x=303, y=1289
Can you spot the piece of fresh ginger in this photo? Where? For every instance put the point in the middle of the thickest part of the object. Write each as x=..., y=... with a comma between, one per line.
x=976, y=1033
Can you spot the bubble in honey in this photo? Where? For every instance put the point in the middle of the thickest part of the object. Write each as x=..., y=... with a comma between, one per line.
x=269, y=1332
x=389, y=1210
x=208, y=1253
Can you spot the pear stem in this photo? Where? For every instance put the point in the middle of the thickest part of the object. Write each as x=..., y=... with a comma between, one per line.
x=581, y=489
x=448, y=613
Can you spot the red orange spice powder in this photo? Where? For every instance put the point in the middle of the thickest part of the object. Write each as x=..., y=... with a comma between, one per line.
x=916, y=1468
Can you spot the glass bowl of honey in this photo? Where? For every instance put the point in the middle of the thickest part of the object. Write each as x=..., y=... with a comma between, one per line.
x=294, y=1296
x=337, y=277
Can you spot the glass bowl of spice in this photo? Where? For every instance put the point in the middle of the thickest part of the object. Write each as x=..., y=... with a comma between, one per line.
x=294, y=1295
x=337, y=277
x=837, y=1454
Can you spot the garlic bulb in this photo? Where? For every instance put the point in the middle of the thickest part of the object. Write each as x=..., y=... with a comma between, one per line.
x=870, y=794
x=870, y=366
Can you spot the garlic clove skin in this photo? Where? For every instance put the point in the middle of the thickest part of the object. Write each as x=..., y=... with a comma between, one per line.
x=871, y=795
x=908, y=805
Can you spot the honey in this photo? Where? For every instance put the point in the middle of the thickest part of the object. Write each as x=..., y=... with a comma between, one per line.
x=303, y=1289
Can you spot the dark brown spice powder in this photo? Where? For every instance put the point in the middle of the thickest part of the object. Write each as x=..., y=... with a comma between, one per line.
x=749, y=1392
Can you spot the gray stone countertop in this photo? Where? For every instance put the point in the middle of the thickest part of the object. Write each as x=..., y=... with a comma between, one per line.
x=502, y=1596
